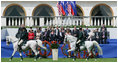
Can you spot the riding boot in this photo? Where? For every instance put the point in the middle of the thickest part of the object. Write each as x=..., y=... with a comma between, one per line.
x=20, y=49
x=76, y=48
x=79, y=47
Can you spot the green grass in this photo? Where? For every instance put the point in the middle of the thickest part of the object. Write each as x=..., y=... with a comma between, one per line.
x=59, y=60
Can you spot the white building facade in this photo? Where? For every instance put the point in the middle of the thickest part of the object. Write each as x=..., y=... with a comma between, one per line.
x=45, y=13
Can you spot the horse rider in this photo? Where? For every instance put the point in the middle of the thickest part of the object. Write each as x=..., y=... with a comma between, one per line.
x=22, y=35
x=80, y=39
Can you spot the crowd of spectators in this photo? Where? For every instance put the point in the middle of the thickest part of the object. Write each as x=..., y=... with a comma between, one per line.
x=57, y=34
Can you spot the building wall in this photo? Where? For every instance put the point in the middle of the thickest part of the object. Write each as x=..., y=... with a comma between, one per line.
x=85, y=5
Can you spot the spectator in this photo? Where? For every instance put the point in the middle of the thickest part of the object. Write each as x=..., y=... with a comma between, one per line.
x=63, y=33
x=75, y=32
x=38, y=34
x=57, y=33
x=31, y=29
x=87, y=31
x=62, y=29
x=103, y=27
x=48, y=33
x=103, y=36
x=61, y=37
x=31, y=35
x=97, y=36
x=40, y=28
x=45, y=35
x=35, y=32
x=52, y=35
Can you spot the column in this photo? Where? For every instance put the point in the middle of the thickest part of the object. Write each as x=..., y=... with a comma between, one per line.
x=108, y=22
x=91, y=21
x=3, y=21
x=80, y=21
x=27, y=23
x=53, y=21
x=105, y=21
x=19, y=21
x=41, y=21
x=77, y=22
x=31, y=22
x=47, y=22
x=9, y=22
x=50, y=21
x=16, y=21
x=95, y=21
x=101, y=21
x=115, y=21
x=98, y=22
x=35, y=22
x=12, y=22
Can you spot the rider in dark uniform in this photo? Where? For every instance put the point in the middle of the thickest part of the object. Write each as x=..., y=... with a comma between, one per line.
x=80, y=39
x=22, y=35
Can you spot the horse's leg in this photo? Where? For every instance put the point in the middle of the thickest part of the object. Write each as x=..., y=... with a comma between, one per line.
x=21, y=56
x=36, y=53
x=75, y=52
x=89, y=52
x=43, y=47
x=12, y=54
x=93, y=51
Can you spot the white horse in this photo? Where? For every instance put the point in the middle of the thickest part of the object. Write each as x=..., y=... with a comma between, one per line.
x=89, y=46
x=31, y=44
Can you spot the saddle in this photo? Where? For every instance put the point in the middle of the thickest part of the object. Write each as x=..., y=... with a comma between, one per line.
x=79, y=43
x=24, y=42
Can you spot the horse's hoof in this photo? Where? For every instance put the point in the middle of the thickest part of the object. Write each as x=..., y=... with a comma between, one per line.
x=73, y=59
x=21, y=60
x=34, y=59
x=39, y=57
x=69, y=56
x=86, y=59
x=95, y=59
x=9, y=59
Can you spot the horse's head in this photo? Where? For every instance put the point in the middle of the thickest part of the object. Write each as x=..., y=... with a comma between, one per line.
x=7, y=40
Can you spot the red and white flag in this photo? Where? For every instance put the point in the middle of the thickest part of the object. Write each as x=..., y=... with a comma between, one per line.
x=59, y=8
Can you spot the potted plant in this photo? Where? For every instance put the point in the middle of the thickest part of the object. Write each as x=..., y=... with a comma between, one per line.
x=54, y=47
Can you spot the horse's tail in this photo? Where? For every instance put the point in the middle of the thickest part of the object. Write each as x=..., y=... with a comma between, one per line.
x=99, y=48
x=40, y=44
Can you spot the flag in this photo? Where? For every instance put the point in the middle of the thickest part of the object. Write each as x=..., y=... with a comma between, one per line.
x=73, y=9
x=59, y=7
x=66, y=7
x=69, y=7
x=62, y=7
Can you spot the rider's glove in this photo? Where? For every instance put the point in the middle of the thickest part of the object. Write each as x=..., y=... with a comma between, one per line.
x=78, y=41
